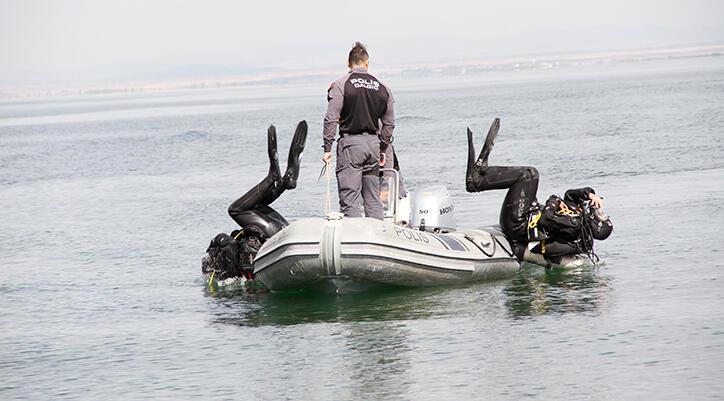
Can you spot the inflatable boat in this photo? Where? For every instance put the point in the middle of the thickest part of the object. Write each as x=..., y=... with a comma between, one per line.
x=349, y=255
x=337, y=254
x=416, y=245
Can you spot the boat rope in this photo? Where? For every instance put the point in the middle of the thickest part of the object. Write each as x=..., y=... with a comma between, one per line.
x=328, y=198
x=327, y=173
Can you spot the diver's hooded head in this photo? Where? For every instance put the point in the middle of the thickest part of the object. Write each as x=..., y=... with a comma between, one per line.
x=601, y=225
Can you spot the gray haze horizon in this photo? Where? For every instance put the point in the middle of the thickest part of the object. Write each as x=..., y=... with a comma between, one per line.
x=43, y=41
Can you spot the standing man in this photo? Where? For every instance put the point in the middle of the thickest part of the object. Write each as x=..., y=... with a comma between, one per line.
x=358, y=102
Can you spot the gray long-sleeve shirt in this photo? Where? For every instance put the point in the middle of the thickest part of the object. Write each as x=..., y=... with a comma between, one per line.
x=358, y=102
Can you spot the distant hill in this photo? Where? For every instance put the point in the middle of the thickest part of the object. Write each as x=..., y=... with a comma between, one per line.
x=195, y=72
x=198, y=76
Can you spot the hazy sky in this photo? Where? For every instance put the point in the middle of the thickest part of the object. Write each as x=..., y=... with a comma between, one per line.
x=67, y=40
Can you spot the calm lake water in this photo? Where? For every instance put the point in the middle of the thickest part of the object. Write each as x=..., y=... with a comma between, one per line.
x=108, y=203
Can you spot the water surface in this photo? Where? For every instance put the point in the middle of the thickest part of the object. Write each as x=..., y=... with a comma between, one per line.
x=109, y=201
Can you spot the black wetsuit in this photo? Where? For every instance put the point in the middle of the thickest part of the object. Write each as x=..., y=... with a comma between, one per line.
x=252, y=209
x=563, y=230
x=233, y=255
x=522, y=186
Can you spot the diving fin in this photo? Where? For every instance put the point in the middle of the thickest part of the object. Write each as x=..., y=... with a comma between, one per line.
x=271, y=146
x=472, y=175
x=488, y=145
x=295, y=155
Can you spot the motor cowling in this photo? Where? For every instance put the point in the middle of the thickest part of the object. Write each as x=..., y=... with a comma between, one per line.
x=433, y=210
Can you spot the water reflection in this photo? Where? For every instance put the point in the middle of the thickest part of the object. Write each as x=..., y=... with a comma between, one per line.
x=537, y=291
x=373, y=330
x=534, y=291
x=379, y=359
x=259, y=309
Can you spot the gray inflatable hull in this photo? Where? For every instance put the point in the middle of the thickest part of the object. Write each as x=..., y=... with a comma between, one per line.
x=350, y=255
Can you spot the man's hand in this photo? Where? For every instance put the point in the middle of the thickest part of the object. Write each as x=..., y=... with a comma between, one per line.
x=596, y=201
x=327, y=157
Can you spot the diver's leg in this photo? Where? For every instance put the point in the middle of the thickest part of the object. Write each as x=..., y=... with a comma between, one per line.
x=349, y=179
x=258, y=195
x=499, y=177
x=488, y=145
x=521, y=183
x=474, y=166
x=295, y=155
x=517, y=203
x=271, y=148
x=522, y=186
x=266, y=191
x=370, y=180
x=472, y=175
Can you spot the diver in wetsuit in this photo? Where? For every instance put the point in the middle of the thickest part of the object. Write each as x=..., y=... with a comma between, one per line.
x=251, y=210
x=232, y=255
x=567, y=228
x=570, y=225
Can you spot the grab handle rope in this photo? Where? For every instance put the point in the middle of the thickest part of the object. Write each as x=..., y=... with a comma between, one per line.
x=327, y=173
x=328, y=198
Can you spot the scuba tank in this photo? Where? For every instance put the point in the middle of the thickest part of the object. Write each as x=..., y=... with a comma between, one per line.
x=535, y=231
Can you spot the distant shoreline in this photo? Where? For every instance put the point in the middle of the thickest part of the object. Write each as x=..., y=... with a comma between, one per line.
x=536, y=62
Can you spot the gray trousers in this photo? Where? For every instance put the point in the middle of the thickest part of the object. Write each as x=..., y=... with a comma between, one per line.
x=358, y=175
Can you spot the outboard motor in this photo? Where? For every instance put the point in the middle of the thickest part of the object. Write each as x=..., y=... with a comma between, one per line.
x=432, y=210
